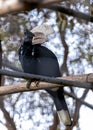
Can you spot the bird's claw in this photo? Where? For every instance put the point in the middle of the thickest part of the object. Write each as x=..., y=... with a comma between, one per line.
x=37, y=83
x=29, y=83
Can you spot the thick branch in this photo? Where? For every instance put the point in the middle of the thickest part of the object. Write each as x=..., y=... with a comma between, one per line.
x=22, y=5
x=71, y=12
x=81, y=78
x=62, y=82
x=21, y=87
x=27, y=5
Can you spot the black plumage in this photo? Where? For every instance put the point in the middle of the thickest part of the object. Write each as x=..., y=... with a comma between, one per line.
x=39, y=60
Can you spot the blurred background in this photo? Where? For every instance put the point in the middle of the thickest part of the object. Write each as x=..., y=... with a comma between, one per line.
x=72, y=43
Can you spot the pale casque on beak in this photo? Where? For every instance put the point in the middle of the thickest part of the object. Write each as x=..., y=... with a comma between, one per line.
x=41, y=33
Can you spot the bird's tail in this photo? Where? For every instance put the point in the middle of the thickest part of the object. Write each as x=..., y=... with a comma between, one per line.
x=61, y=106
x=64, y=117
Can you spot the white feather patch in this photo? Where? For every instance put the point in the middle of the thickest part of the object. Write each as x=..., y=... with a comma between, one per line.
x=64, y=117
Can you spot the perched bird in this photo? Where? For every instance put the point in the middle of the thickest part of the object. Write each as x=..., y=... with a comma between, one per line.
x=39, y=60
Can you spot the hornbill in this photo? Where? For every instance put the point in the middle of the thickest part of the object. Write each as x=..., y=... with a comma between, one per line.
x=39, y=60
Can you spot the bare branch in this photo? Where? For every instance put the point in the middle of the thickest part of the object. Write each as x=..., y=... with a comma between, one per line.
x=7, y=7
x=27, y=5
x=77, y=109
x=9, y=120
x=9, y=123
x=56, y=82
x=55, y=122
x=22, y=5
x=78, y=99
x=45, y=2
x=71, y=12
x=62, y=82
x=21, y=87
x=80, y=78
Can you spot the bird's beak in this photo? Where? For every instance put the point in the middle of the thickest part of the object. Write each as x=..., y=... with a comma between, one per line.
x=39, y=38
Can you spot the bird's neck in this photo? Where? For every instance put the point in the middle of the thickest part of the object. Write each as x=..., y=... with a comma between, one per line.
x=27, y=44
x=28, y=47
x=36, y=45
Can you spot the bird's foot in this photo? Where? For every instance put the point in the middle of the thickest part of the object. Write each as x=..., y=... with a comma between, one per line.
x=29, y=82
x=37, y=83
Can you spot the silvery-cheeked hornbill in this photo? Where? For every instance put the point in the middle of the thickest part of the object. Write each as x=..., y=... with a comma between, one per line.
x=39, y=60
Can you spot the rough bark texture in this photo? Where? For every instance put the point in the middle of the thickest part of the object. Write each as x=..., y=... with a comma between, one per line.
x=43, y=85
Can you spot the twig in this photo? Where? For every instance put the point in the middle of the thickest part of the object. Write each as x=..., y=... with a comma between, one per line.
x=80, y=100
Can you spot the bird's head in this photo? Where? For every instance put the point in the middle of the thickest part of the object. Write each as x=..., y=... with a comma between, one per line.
x=28, y=36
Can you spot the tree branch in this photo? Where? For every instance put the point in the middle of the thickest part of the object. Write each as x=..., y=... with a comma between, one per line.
x=77, y=108
x=22, y=5
x=79, y=99
x=9, y=120
x=83, y=81
x=71, y=12
x=62, y=82
x=27, y=5
x=21, y=87
x=55, y=124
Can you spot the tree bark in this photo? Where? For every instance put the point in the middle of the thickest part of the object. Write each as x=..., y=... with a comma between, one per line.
x=62, y=82
x=83, y=81
x=27, y=5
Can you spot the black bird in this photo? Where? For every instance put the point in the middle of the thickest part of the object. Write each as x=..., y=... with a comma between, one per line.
x=39, y=60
